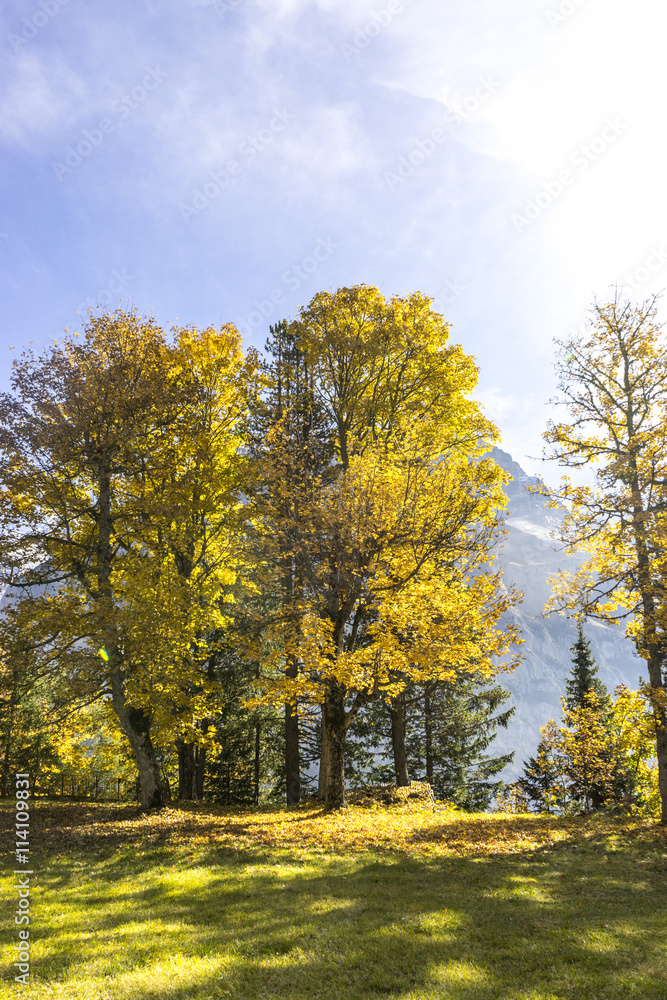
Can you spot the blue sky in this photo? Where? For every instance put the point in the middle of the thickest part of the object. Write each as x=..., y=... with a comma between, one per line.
x=224, y=161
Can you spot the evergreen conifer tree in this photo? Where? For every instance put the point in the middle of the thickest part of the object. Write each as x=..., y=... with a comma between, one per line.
x=447, y=742
x=246, y=763
x=582, y=681
x=583, y=676
x=449, y=726
x=543, y=778
x=289, y=433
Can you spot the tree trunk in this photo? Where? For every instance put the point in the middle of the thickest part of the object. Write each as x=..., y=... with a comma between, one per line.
x=397, y=712
x=258, y=746
x=335, y=724
x=200, y=770
x=324, y=762
x=428, y=733
x=4, y=791
x=136, y=725
x=292, y=762
x=661, y=753
x=652, y=639
x=657, y=690
x=187, y=760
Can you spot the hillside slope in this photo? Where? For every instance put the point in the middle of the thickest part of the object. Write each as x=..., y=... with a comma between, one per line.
x=529, y=556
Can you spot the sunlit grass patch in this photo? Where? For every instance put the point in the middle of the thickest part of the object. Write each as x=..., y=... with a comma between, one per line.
x=411, y=903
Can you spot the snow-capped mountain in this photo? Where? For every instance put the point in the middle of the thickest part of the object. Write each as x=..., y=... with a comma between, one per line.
x=529, y=556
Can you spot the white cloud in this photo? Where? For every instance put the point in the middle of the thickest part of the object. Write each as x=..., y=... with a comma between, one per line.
x=43, y=97
x=497, y=405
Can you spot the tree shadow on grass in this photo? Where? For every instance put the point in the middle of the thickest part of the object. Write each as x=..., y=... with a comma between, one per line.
x=570, y=923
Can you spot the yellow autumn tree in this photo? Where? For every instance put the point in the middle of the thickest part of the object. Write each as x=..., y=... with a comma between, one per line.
x=89, y=754
x=186, y=558
x=634, y=722
x=613, y=384
x=593, y=755
x=120, y=471
x=391, y=538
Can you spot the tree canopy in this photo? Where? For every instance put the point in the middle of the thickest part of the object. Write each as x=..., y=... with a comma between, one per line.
x=393, y=536
x=613, y=384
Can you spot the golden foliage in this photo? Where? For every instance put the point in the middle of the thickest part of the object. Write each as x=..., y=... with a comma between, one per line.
x=613, y=382
x=408, y=829
x=393, y=538
x=124, y=468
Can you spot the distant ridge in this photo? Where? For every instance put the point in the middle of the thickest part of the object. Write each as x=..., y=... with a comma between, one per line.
x=506, y=462
x=529, y=554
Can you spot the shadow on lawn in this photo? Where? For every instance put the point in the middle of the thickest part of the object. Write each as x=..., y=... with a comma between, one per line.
x=570, y=924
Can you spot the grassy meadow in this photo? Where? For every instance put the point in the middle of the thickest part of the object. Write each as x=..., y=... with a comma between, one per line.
x=404, y=902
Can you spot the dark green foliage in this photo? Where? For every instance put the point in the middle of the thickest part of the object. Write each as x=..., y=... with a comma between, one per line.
x=542, y=780
x=290, y=440
x=249, y=764
x=448, y=746
x=583, y=676
x=290, y=403
x=449, y=728
x=368, y=751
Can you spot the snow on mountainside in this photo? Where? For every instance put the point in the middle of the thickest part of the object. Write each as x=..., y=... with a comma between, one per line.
x=528, y=557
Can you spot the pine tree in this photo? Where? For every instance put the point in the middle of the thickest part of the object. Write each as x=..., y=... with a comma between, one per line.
x=246, y=759
x=583, y=676
x=447, y=743
x=449, y=726
x=543, y=778
x=290, y=434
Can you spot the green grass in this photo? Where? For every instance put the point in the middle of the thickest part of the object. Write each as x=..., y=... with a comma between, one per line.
x=130, y=912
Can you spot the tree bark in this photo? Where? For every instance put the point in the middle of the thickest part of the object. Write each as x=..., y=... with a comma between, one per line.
x=428, y=732
x=186, y=770
x=292, y=762
x=200, y=770
x=335, y=724
x=397, y=712
x=324, y=763
x=258, y=734
x=135, y=723
x=4, y=789
x=191, y=770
